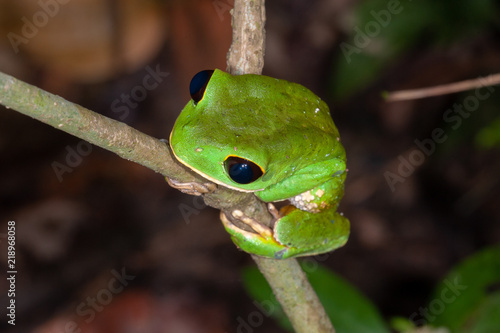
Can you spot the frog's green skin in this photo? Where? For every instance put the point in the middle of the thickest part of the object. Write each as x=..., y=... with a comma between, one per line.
x=287, y=131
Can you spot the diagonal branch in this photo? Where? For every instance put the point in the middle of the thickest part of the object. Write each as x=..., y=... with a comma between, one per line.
x=114, y=136
x=99, y=130
x=402, y=95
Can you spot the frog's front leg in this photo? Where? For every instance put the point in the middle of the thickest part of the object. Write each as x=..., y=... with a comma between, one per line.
x=315, y=228
x=260, y=241
x=298, y=233
x=193, y=188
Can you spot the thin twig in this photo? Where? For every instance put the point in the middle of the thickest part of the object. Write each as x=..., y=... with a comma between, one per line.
x=444, y=89
x=286, y=278
x=99, y=130
x=246, y=54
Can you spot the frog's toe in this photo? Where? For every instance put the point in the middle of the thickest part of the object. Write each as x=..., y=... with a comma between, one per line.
x=192, y=188
x=260, y=241
x=261, y=232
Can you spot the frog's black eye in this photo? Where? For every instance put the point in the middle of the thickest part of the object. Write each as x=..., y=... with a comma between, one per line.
x=241, y=170
x=199, y=84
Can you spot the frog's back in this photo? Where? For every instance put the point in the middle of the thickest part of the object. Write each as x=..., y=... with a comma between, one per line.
x=276, y=120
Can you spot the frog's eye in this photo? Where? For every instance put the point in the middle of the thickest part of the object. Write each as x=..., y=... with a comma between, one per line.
x=199, y=84
x=241, y=170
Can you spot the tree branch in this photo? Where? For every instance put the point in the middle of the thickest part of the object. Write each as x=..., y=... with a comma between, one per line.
x=286, y=278
x=116, y=137
x=246, y=54
x=443, y=89
x=90, y=126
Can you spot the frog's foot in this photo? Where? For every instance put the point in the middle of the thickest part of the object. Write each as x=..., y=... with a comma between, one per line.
x=260, y=241
x=192, y=188
x=273, y=211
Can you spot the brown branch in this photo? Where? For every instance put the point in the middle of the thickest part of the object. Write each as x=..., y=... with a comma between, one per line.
x=116, y=137
x=444, y=89
x=99, y=130
x=246, y=54
x=286, y=278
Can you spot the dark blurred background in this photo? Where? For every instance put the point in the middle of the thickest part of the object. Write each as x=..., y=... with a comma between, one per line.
x=104, y=245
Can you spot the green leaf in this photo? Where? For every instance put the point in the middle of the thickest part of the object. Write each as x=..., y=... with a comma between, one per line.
x=401, y=324
x=346, y=307
x=489, y=136
x=258, y=288
x=354, y=72
x=468, y=299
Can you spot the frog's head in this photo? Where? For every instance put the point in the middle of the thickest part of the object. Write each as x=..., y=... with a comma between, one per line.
x=205, y=137
x=256, y=133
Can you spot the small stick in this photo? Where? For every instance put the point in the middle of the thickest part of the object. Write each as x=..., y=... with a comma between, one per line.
x=444, y=89
x=286, y=278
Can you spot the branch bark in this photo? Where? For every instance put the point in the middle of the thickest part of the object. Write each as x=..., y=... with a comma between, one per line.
x=286, y=278
x=116, y=137
x=90, y=126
